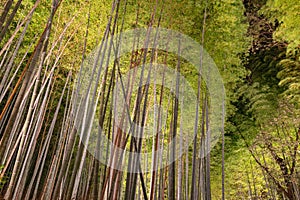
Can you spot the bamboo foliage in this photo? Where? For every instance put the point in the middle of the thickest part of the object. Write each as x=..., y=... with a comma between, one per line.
x=47, y=122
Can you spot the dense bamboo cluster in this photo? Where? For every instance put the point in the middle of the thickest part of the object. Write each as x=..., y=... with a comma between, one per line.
x=119, y=99
x=43, y=161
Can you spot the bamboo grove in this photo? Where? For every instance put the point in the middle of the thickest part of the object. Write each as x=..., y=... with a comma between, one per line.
x=102, y=99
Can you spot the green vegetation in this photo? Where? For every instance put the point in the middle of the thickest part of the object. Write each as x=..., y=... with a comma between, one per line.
x=47, y=55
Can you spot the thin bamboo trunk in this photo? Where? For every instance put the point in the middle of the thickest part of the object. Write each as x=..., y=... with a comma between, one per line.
x=172, y=194
x=11, y=60
x=5, y=12
x=9, y=20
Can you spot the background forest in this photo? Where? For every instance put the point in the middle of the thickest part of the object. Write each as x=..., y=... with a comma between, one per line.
x=43, y=49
